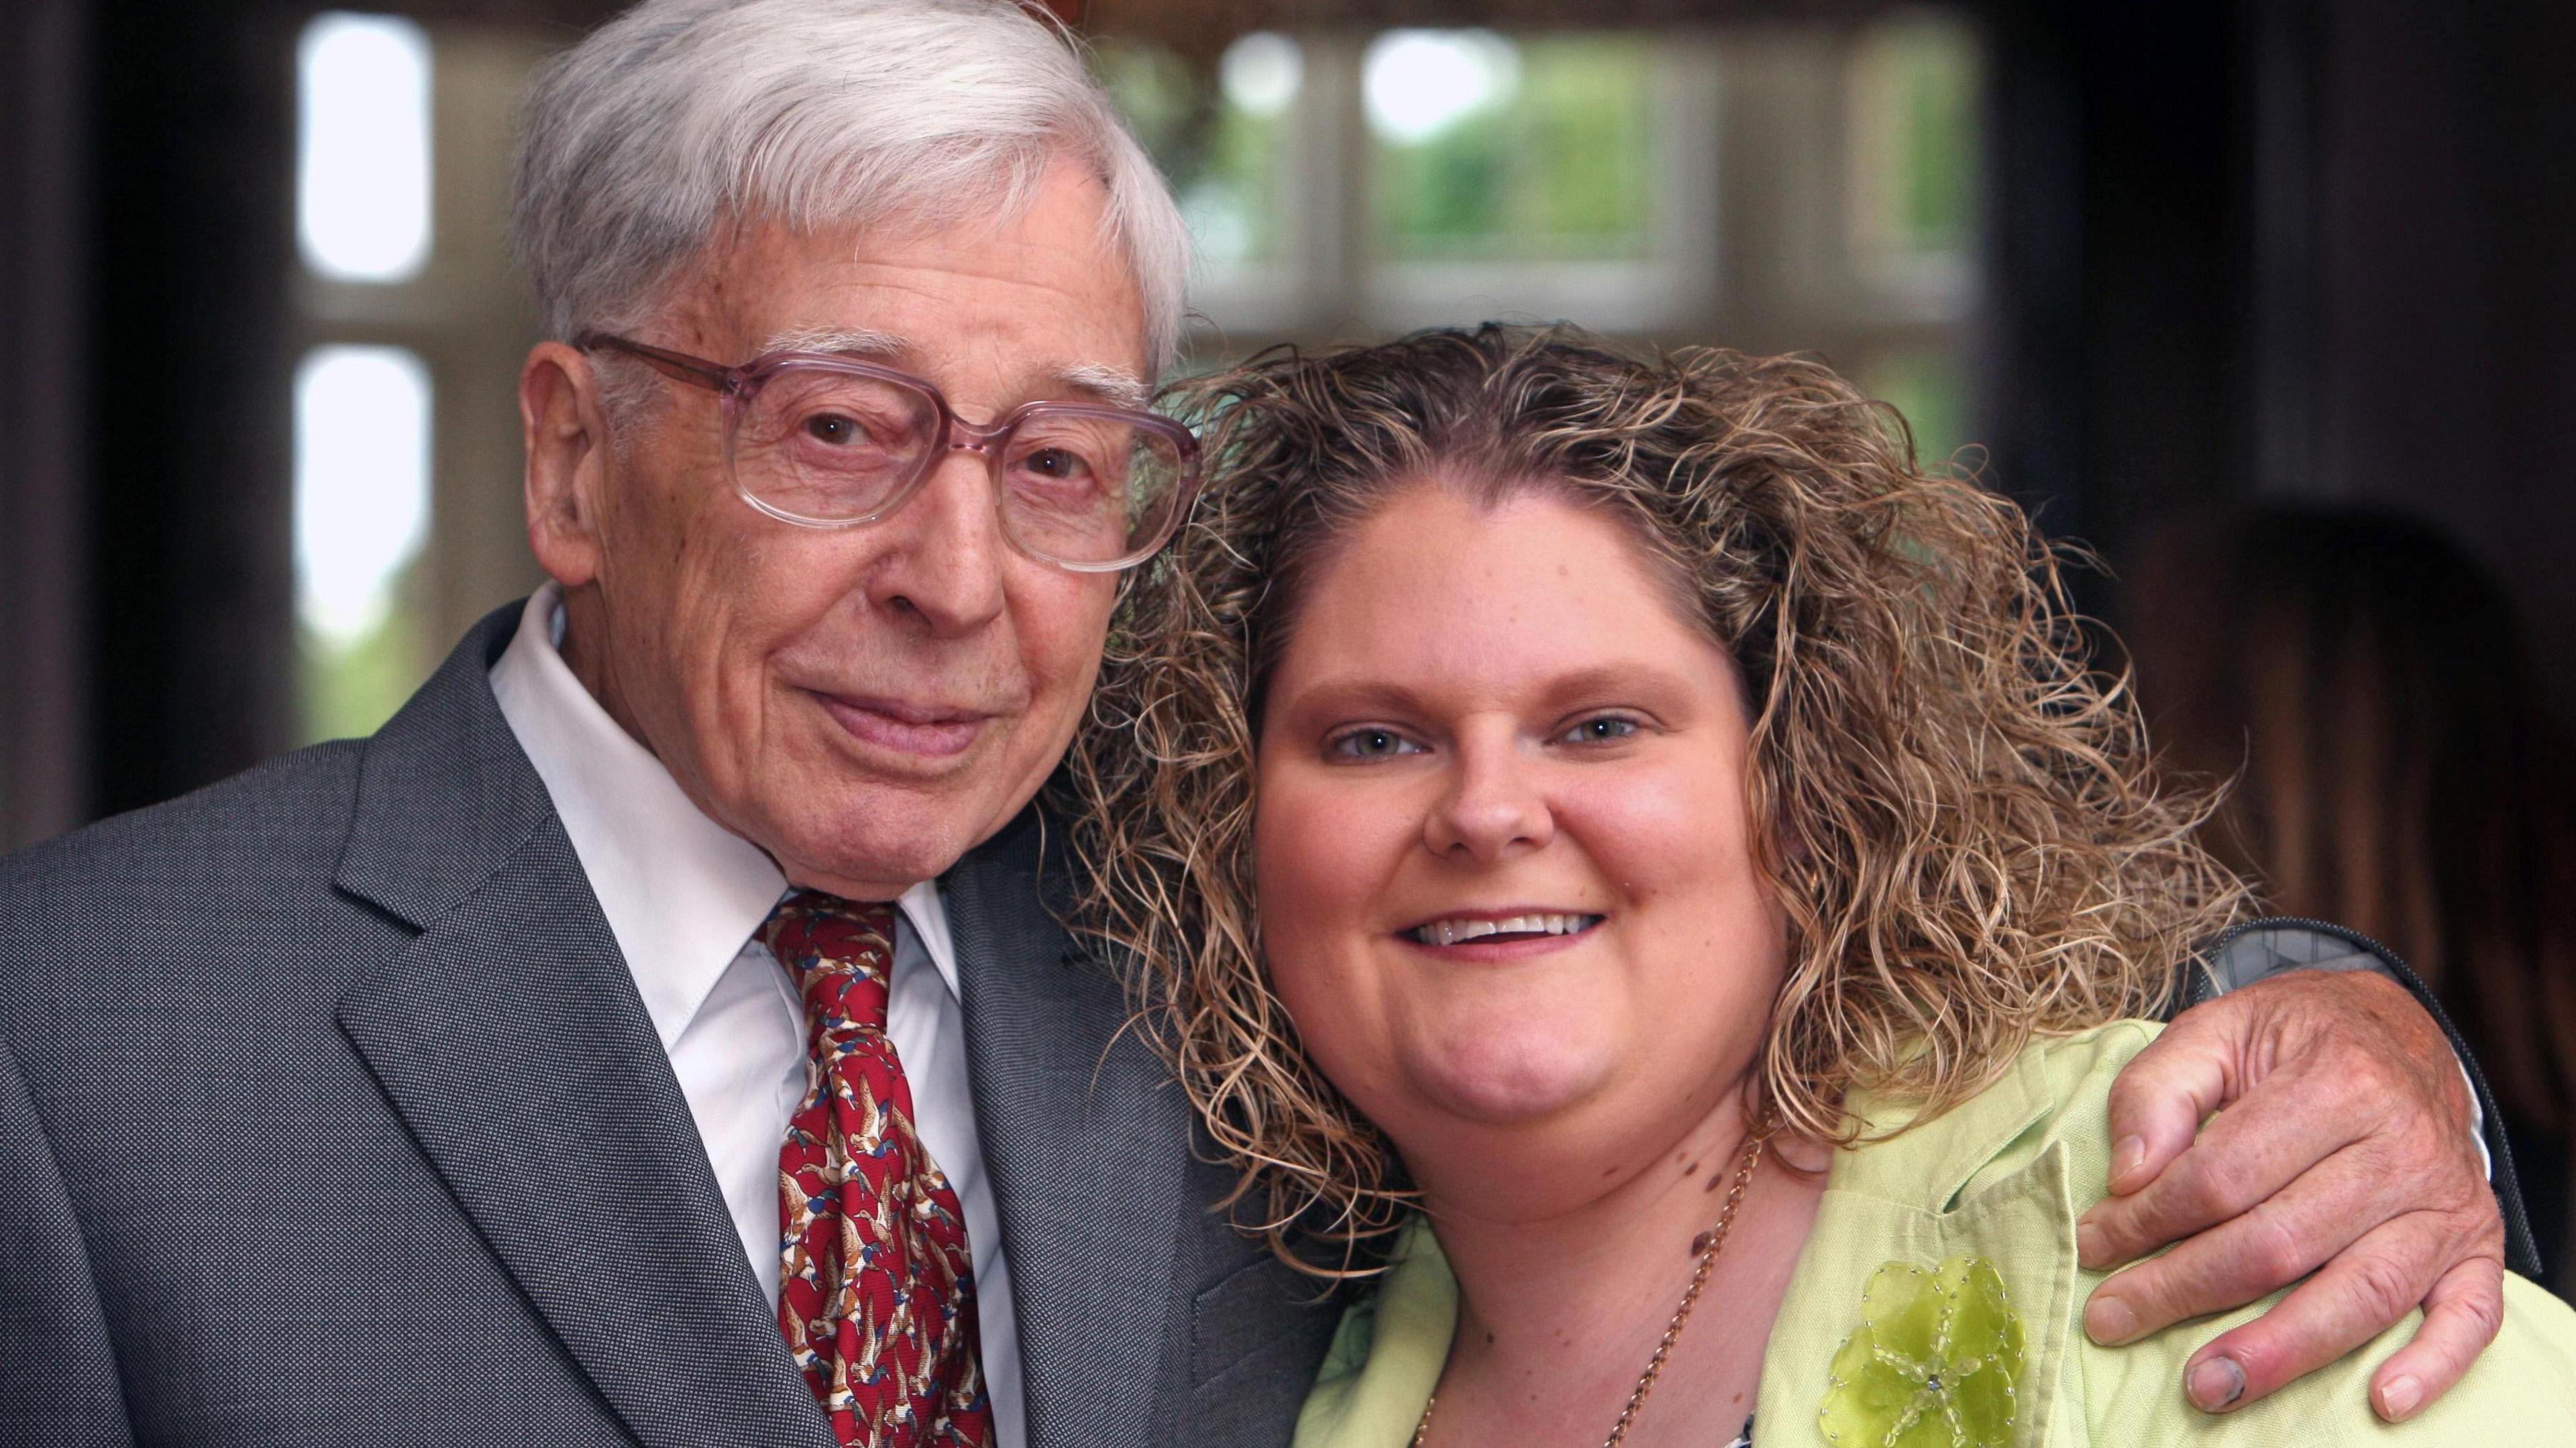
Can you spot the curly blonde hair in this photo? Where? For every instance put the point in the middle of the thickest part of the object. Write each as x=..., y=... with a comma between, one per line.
x=1961, y=818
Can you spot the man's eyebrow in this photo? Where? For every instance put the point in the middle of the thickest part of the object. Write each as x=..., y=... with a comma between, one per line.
x=862, y=342
x=1115, y=386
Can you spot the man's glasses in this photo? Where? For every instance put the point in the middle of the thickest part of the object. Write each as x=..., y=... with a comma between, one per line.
x=833, y=442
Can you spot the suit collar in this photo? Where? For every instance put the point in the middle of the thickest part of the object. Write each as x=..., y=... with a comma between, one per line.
x=510, y=1038
x=1087, y=1147
x=445, y=794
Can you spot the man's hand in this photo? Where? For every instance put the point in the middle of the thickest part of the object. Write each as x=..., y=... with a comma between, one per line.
x=2341, y=1141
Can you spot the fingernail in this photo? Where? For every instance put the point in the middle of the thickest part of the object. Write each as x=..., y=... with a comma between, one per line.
x=2108, y=1321
x=2129, y=1154
x=2399, y=1399
x=2091, y=1247
x=2215, y=1384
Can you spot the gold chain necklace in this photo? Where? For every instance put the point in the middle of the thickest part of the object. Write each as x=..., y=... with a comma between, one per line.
x=1710, y=1246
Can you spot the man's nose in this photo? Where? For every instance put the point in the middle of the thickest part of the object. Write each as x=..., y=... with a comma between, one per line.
x=945, y=550
x=1492, y=807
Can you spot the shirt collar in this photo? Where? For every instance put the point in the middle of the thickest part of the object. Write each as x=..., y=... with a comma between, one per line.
x=682, y=893
x=926, y=911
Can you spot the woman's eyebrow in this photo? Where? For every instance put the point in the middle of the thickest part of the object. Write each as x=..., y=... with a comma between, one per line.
x=1602, y=683
x=1611, y=679
x=1355, y=692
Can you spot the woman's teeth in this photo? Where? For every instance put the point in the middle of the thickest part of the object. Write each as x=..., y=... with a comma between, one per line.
x=1452, y=932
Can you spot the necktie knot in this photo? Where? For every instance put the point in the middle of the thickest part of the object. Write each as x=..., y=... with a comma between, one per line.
x=840, y=953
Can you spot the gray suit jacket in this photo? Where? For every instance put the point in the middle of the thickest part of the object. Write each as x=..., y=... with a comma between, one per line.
x=329, y=1114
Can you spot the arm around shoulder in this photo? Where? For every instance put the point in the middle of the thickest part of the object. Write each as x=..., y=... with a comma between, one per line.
x=58, y=1381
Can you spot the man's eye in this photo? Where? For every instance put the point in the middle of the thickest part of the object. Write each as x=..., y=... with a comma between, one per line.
x=1605, y=729
x=1372, y=744
x=1056, y=462
x=833, y=428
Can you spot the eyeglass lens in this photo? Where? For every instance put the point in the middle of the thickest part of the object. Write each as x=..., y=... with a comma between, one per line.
x=1077, y=486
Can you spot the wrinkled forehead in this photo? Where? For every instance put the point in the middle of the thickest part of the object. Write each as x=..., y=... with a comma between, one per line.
x=1034, y=300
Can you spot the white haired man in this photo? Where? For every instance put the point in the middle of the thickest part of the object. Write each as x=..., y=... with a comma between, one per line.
x=658, y=1032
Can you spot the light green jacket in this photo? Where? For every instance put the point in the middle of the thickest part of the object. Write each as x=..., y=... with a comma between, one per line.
x=2000, y=1178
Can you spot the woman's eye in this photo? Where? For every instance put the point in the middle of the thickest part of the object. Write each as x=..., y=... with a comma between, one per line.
x=1372, y=744
x=1606, y=729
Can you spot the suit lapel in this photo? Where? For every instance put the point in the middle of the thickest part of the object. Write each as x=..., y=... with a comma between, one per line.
x=510, y=1038
x=1087, y=1155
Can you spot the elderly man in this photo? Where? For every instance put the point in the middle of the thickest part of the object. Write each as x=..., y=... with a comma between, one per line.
x=658, y=1031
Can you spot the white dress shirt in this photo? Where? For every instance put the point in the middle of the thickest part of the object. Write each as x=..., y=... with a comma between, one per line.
x=685, y=898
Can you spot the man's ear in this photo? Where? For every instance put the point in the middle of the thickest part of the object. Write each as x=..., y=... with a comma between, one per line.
x=567, y=443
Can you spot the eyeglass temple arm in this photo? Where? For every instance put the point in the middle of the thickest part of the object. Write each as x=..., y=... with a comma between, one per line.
x=676, y=365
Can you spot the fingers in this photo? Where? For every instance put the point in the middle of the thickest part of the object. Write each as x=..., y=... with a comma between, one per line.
x=2353, y=1299
x=2246, y=1155
x=2461, y=1317
x=2159, y=1099
x=2260, y=1252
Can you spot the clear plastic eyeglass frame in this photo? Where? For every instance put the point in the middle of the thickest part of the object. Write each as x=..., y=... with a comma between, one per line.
x=738, y=388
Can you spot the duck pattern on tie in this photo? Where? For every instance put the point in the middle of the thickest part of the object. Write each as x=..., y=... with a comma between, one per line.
x=876, y=1283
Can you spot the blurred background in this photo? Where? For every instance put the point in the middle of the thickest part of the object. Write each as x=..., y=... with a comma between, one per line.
x=2272, y=303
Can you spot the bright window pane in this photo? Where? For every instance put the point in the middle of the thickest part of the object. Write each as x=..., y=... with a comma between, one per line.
x=1218, y=138
x=362, y=420
x=1490, y=148
x=1914, y=95
x=362, y=147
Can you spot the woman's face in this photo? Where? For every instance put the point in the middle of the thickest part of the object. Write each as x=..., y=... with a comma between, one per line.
x=1506, y=881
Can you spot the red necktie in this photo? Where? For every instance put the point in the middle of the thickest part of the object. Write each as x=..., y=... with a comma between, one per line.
x=876, y=1286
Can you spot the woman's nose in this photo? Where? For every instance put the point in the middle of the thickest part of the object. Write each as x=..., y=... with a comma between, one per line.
x=1492, y=808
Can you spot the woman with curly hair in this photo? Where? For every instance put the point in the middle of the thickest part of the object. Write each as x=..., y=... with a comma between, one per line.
x=1629, y=863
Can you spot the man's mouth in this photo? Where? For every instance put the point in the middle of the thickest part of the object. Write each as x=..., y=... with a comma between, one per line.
x=1500, y=929
x=905, y=728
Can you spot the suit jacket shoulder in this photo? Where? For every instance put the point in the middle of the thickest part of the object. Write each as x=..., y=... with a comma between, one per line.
x=80, y=916
x=331, y=1083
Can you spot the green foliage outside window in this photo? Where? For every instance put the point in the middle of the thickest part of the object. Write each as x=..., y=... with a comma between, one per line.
x=1928, y=388
x=1554, y=165
x=348, y=687
x=1915, y=98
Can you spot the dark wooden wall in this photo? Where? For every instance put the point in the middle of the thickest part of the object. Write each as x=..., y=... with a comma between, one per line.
x=189, y=251
x=2445, y=336
x=2294, y=249
x=44, y=427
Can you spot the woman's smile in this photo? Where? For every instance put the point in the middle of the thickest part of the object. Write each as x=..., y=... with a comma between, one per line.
x=1500, y=935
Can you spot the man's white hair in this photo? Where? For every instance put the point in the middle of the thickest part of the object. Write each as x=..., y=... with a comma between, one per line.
x=683, y=116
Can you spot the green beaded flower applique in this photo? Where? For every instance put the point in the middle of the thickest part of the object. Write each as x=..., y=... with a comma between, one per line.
x=1932, y=1364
